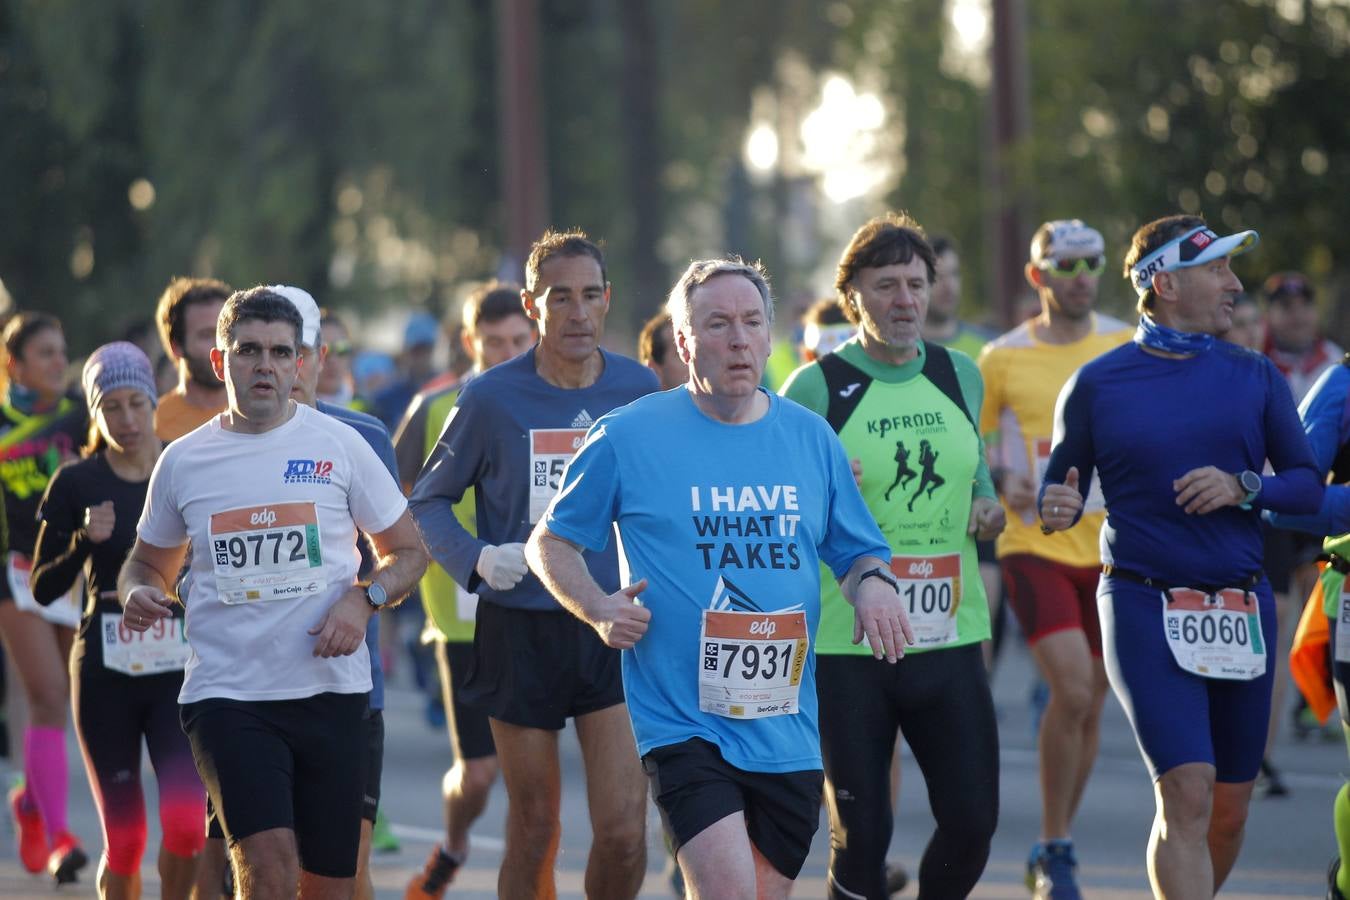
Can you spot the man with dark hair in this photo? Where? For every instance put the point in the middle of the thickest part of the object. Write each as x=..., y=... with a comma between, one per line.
x=933, y=460
x=186, y=316
x=494, y=329
x=1178, y=427
x=1051, y=582
x=656, y=351
x=824, y=328
x=270, y=496
x=717, y=652
x=944, y=324
x=511, y=434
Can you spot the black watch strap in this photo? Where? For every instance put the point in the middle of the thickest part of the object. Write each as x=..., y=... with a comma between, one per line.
x=879, y=572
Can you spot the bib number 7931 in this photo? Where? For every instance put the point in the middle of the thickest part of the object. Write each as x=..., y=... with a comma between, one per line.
x=751, y=663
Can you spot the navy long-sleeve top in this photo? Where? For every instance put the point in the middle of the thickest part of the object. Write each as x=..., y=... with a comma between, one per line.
x=1326, y=422
x=1142, y=421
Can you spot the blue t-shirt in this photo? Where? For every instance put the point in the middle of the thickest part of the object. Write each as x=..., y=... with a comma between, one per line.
x=1143, y=421
x=707, y=511
x=1325, y=412
x=377, y=436
x=509, y=436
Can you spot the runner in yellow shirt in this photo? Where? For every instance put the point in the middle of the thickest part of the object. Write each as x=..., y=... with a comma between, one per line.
x=1051, y=580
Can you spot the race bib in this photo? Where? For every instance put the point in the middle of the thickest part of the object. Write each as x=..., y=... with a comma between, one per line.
x=1215, y=635
x=61, y=611
x=265, y=553
x=930, y=586
x=550, y=451
x=752, y=663
x=162, y=647
x=1342, y=649
x=1095, y=500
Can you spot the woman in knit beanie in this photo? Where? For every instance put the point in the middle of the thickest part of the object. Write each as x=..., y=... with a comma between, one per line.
x=126, y=686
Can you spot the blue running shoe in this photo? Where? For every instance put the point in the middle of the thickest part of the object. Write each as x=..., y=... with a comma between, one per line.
x=1033, y=860
x=1055, y=873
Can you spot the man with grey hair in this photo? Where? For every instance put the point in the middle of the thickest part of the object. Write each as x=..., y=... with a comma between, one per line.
x=726, y=499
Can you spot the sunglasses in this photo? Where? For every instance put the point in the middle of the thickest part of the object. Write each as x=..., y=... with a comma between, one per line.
x=340, y=348
x=1068, y=268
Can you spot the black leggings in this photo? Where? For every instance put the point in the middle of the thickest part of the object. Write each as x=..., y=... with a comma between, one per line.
x=941, y=700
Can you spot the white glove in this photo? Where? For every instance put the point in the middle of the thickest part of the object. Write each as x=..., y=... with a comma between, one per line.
x=502, y=567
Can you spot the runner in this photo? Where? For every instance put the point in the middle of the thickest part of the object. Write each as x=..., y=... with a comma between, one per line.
x=495, y=329
x=40, y=428
x=1327, y=426
x=186, y=316
x=721, y=604
x=512, y=432
x=1178, y=425
x=656, y=351
x=124, y=686
x=271, y=494
x=1052, y=581
x=939, y=694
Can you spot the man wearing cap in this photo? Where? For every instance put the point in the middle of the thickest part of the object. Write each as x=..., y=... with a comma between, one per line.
x=1178, y=425
x=1051, y=582
x=271, y=494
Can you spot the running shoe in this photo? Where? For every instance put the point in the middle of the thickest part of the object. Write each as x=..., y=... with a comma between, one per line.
x=1269, y=783
x=67, y=859
x=1334, y=892
x=1033, y=860
x=1056, y=872
x=896, y=878
x=28, y=831
x=382, y=837
x=439, y=871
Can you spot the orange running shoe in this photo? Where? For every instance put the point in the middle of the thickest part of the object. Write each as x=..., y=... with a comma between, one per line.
x=430, y=883
x=67, y=858
x=28, y=830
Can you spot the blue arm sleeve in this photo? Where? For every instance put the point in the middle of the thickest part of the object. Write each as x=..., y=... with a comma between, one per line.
x=1073, y=447
x=455, y=464
x=1327, y=429
x=1296, y=486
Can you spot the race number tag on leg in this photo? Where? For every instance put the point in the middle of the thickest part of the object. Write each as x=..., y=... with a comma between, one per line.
x=162, y=647
x=63, y=610
x=1215, y=635
x=1342, y=648
x=264, y=553
x=930, y=586
x=752, y=663
x=550, y=451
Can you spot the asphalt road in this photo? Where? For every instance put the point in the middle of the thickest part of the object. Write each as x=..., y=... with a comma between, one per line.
x=1289, y=840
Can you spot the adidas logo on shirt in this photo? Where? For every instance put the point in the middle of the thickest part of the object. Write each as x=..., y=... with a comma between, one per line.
x=583, y=420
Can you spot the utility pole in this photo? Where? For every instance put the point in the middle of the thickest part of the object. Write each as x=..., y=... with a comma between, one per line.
x=524, y=168
x=1009, y=115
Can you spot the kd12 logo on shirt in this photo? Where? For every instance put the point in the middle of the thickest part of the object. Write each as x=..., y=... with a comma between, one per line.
x=308, y=471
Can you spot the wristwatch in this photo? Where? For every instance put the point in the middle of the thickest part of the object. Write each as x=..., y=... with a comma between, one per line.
x=1250, y=482
x=376, y=596
x=879, y=572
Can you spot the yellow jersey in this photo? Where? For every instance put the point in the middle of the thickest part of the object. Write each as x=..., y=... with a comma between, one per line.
x=1022, y=380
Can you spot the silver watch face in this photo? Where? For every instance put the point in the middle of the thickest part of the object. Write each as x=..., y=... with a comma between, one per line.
x=1251, y=482
x=376, y=594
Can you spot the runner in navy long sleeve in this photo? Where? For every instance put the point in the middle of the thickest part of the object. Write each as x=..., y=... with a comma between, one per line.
x=1177, y=425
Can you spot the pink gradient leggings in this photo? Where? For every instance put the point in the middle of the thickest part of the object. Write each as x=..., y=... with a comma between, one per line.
x=112, y=713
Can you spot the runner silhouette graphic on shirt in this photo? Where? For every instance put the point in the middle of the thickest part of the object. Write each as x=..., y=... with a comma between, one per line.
x=903, y=473
x=929, y=478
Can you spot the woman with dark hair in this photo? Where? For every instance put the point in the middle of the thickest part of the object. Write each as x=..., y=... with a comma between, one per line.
x=40, y=428
x=125, y=686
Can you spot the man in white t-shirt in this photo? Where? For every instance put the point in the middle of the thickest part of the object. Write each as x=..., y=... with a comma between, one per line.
x=269, y=496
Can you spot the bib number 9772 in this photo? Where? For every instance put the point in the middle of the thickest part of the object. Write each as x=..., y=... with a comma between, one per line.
x=256, y=549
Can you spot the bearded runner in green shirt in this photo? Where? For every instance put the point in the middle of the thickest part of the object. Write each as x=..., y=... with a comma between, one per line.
x=905, y=412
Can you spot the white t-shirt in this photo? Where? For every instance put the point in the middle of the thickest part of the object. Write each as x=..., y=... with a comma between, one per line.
x=272, y=519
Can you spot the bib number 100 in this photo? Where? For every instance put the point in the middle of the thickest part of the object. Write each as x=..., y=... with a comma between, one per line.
x=928, y=597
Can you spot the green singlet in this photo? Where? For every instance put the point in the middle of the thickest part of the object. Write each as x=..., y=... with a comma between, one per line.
x=449, y=608
x=911, y=427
